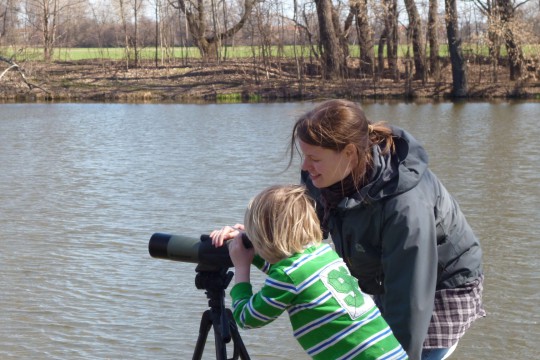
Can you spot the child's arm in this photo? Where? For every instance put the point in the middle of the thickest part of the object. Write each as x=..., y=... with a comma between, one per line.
x=241, y=258
x=251, y=310
x=256, y=310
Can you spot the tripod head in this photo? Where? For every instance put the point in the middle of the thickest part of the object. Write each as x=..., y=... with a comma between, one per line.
x=212, y=279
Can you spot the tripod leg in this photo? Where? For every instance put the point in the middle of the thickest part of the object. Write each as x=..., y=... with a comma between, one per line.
x=221, y=347
x=204, y=328
x=239, y=347
x=210, y=319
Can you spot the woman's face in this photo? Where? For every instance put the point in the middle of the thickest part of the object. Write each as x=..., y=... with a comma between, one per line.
x=325, y=166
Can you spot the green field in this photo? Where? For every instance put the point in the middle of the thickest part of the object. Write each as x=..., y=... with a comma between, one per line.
x=74, y=54
x=289, y=51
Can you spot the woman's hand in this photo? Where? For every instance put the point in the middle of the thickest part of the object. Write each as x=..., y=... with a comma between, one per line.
x=219, y=237
x=241, y=258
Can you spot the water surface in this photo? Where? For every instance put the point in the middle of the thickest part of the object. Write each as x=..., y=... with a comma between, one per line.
x=84, y=186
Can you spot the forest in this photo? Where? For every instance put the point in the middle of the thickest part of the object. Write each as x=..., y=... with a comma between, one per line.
x=292, y=48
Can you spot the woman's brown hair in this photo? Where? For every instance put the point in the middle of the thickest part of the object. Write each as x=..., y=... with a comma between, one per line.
x=336, y=123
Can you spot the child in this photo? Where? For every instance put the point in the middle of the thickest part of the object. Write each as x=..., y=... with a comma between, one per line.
x=330, y=316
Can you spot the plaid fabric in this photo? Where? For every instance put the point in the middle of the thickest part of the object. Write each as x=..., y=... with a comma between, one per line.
x=454, y=312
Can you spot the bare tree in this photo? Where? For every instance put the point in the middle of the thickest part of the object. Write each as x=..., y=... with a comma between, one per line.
x=333, y=58
x=389, y=37
x=205, y=37
x=304, y=22
x=433, y=39
x=342, y=33
x=459, y=67
x=9, y=10
x=45, y=16
x=157, y=28
x=129, y=11
x=99, y=18
x=165, y=28
x=136, y=6
x=415, y=29
x=503, y=28
x=513, y=46
x=489, y=9
x=263, y=23
x=123, y=17
x=359, y=9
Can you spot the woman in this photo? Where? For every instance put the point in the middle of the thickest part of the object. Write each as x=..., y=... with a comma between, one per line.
x=400, y=232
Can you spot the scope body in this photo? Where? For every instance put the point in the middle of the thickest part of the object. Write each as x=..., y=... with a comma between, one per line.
x=189, y=249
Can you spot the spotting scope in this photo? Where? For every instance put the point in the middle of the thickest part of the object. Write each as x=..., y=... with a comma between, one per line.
x=192, y=249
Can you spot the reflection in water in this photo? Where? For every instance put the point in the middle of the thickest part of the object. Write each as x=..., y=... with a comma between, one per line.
x=83, y=187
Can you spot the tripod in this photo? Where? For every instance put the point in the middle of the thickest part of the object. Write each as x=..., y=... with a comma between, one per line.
x=215, y=282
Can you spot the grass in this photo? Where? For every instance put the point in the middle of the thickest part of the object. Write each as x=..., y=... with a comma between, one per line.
x=236, y=97
x=231, y=52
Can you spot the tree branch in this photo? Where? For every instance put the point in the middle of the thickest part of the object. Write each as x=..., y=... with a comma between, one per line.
x=14, y=66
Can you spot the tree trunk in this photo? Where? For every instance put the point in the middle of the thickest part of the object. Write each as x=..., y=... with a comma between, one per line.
x=383, y=40
x=49, y=17
x=494, y=41
x=365, y=39
x=490, y=10
x=515, y=52
x=136, y=7
x=343, y=42
x=433, y=40
x=391, y=30
x=126, y=34
x=332, y=57
x=47, y=51
x=459, y=67
x=415, y=26
x=156, y=35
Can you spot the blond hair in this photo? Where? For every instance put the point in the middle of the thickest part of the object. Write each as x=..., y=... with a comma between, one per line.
x=281, y=221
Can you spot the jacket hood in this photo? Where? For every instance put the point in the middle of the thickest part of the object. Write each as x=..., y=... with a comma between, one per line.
x=394, y=173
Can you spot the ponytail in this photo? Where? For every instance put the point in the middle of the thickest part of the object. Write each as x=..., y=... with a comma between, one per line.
x=380, y=134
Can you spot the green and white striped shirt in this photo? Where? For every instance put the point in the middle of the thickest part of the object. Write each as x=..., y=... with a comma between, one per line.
x=330, y=316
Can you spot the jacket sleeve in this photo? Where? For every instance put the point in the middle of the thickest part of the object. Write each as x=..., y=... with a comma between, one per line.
x=409, y=260
x=259, y=309
x=261, y=264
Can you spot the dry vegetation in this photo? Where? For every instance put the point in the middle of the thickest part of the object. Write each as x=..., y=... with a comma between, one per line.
x=238, y=81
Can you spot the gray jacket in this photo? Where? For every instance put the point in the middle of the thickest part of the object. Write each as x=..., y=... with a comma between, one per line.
x=404, y=236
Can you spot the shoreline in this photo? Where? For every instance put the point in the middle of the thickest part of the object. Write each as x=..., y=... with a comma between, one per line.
x=234, y=81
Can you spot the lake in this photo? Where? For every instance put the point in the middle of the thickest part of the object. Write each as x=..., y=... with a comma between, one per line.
x=84, y=186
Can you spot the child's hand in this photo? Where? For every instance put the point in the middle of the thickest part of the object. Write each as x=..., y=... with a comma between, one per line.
x=241, y=258
x=219, y=237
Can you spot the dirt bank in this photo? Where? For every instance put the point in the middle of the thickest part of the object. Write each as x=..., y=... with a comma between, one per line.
x=231, y=81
